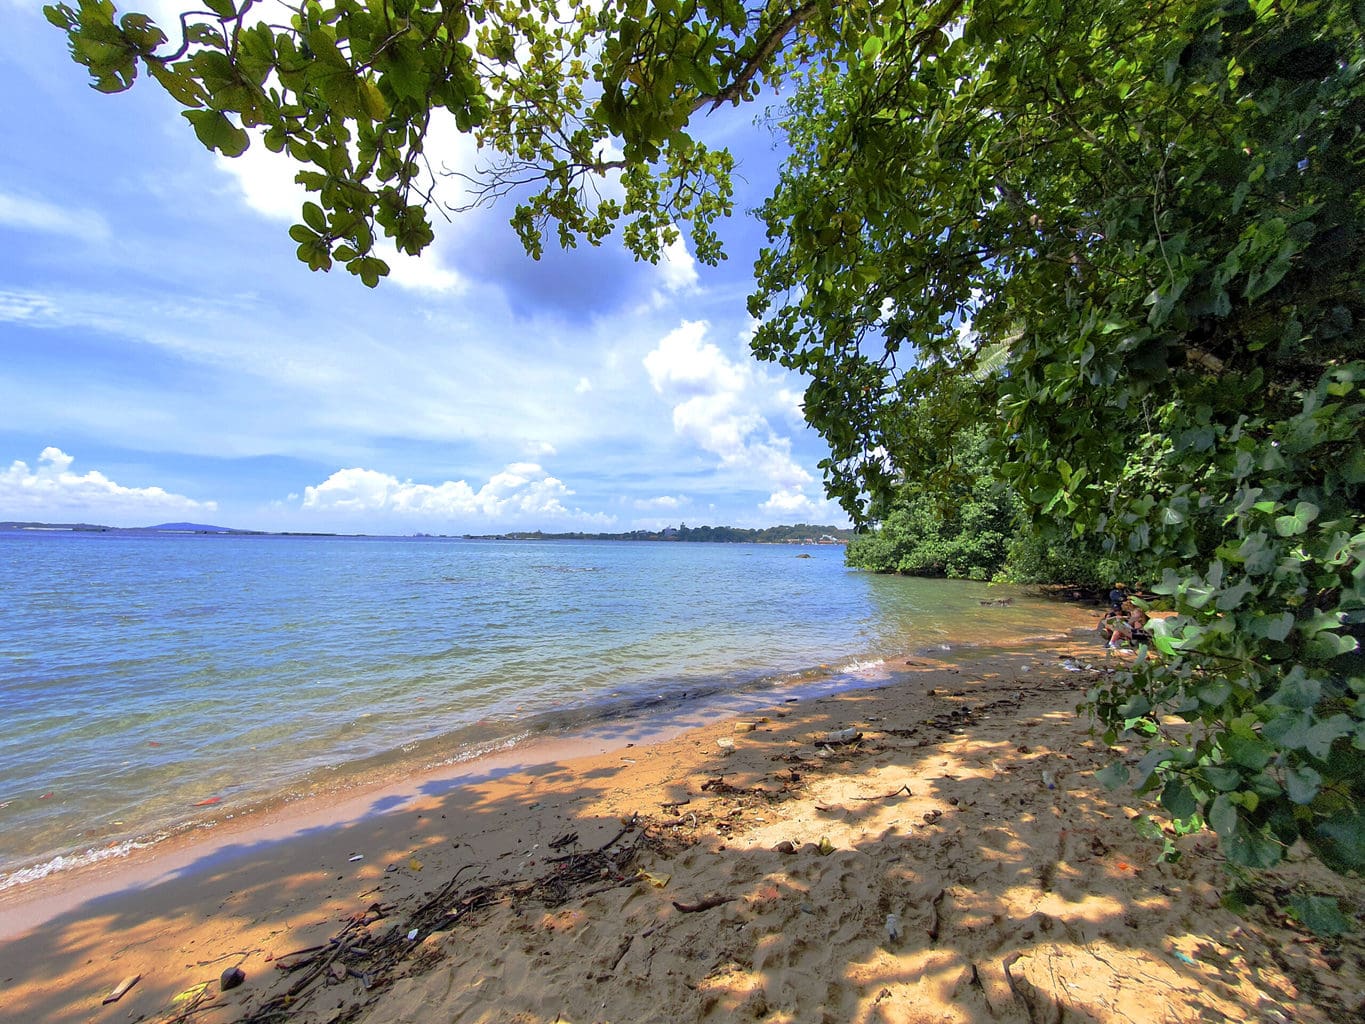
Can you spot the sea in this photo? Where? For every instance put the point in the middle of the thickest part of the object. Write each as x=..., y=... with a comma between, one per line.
x=152, y=684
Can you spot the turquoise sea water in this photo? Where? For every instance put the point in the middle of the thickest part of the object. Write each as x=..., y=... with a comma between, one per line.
x=143, y=674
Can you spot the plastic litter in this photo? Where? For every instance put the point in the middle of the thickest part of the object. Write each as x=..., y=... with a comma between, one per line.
x=121, y=988
x=893, y=929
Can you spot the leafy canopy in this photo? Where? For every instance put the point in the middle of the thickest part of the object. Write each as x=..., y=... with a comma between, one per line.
x=1123, y=237
x=1151, y=217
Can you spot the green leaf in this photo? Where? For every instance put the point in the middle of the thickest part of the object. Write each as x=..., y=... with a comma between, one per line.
x=373, y=100
x=184, y=89
x=1340, y=840
x=1320, y=915
x=1296, y=524
x=1248, y=751
x=1251, y=847
x=1272, y=627
x=1177, y=798
x=1222, y=779
x=1298, y=691
x=215, y=131
x=1166, y=644
x=314, y=217
x=1302, y=784
x=1113, y=776
x=1222, y=816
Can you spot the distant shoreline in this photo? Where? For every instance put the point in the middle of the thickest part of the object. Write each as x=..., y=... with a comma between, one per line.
x=801, y=533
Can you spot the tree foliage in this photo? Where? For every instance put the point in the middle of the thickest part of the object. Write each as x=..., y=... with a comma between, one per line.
x=1125, y=237
x=1157, y=214
x=961, y=528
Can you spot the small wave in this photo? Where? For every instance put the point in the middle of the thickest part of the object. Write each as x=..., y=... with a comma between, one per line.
x=860, y=665
x=476, y=751
x=67, y=862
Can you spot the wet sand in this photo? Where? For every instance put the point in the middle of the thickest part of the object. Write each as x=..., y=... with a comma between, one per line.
x=956, y=861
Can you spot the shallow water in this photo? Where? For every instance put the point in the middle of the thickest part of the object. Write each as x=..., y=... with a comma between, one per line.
x=147, y=681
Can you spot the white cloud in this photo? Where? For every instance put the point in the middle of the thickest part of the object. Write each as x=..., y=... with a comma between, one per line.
x=266, y=181
x=718, y=406
x=53, y=491
x=521, y=489
x=38, y=215
x=684, y=362
x=583, y=386
x=794, y=504
x=677, y=273
x=424, y=273
x=667, y=501
x=677, y=266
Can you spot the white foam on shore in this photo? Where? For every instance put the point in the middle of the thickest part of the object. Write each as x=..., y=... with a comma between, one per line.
x=860, y=666
x=67, y=862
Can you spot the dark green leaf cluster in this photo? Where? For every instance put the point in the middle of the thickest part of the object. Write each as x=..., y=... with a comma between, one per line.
x=1134, y=235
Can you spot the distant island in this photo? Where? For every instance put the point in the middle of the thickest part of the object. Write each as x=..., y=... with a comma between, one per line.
x=801, y=533
x=160, y=528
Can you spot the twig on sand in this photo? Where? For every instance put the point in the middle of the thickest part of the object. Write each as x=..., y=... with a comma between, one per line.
x=887, y=796
x=705, y=903
x=935, y=920
x=621, y=953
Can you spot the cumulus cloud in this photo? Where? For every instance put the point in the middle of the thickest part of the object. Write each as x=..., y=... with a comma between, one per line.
x=685, y=362
x=31, y=214
x=425, y=273
x=677, y=266
x=794, y=504
x=716, y=406
x=522, y=489
x=51, y=490
x=675, y=274
x=663, y=501
x=266, y=181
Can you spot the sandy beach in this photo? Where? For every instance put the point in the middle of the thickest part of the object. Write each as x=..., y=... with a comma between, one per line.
x=935, y=849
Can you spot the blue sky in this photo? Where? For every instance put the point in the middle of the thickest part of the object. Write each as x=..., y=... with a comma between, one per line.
x=164, y=357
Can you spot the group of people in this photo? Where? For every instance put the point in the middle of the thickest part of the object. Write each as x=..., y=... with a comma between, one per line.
x=1125, y=624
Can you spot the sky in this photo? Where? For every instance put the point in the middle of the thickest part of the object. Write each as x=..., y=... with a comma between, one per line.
x=164, y=357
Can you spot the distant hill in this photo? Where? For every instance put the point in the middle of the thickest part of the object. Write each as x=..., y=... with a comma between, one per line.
x=97, y=528
x=191, y=528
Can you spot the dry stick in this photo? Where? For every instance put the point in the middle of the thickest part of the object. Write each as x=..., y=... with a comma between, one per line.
x=195, y=1007
x=887, y=796
x=934, y=919
x=297, y=952
x=705, y=903
x=1024, y=991
x=601, y=849
x=621, y=953
x=442, y=895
